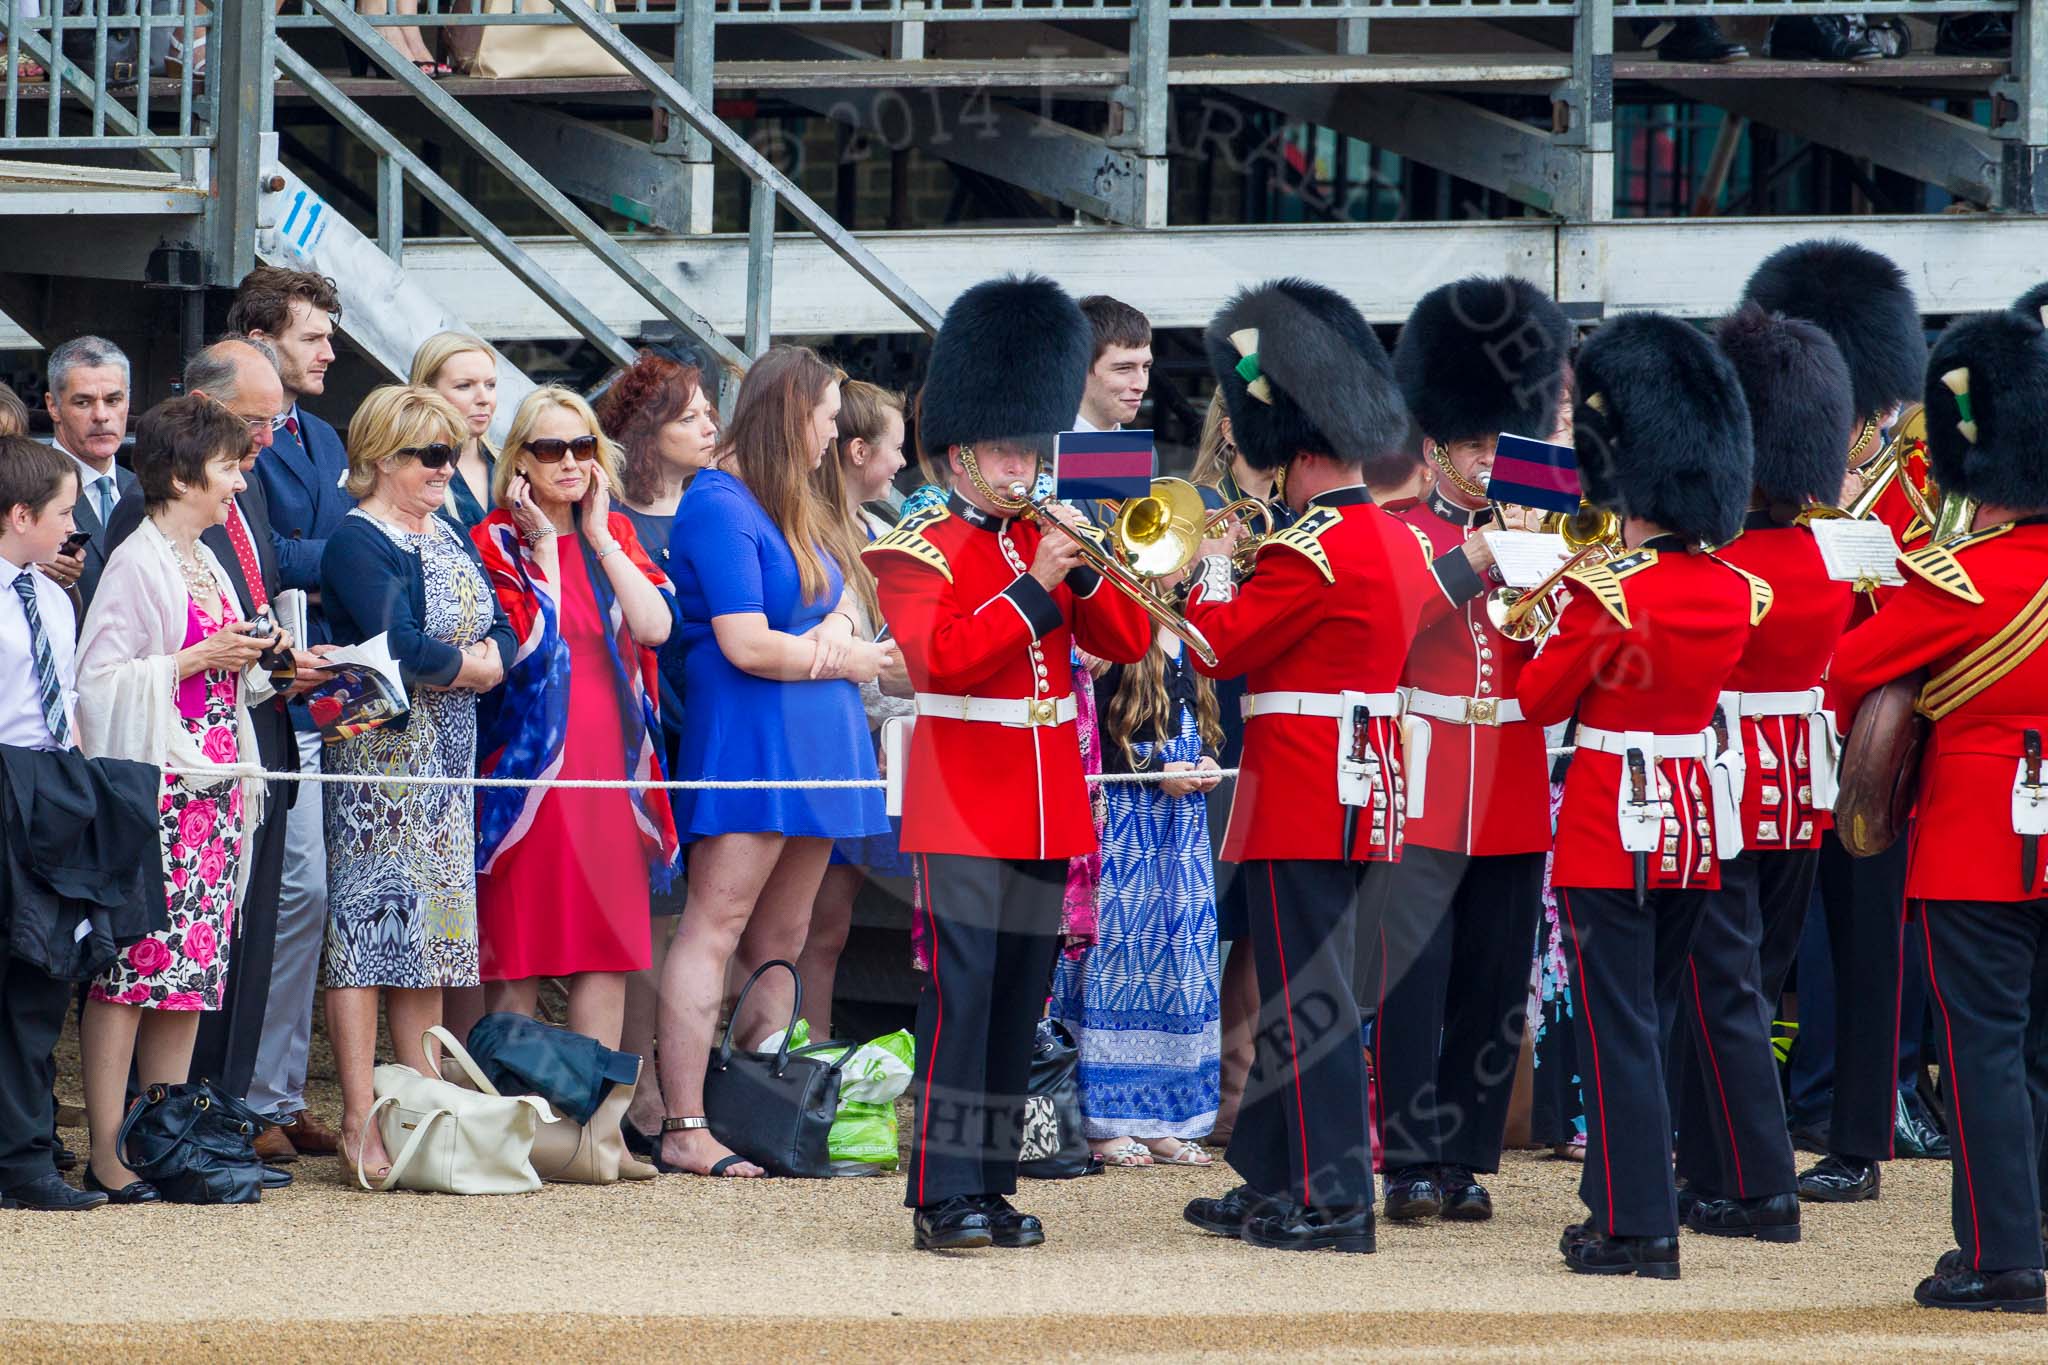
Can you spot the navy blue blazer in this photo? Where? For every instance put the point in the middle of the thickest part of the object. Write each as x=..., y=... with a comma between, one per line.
x=373, y=586
x=301, y=477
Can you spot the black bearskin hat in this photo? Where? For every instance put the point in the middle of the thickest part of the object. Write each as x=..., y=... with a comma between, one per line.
x=1661, y=427
x=1480, y=356
x=1859, y=298
x=2032, y=303
x=1800, y=412
x=1301, y=371
x=1010, y=363
x=1990, y=441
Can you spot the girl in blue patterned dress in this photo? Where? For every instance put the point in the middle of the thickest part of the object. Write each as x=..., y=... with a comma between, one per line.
x=1143, y=1000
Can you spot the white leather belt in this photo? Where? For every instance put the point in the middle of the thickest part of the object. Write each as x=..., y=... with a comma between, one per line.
x=1022, y=713
x=1329, y=704
x=1667, y=746
x=1774, y=703
x=1463, y=710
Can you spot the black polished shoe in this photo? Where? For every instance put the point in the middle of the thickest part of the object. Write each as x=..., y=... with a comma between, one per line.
x=274, y=1178
x=65, y=1158
x=1840, y=1180
x=1008, y=1226
x=1974, y=35
x=49, y=1194
x=1304, y=1229
x=1465, y=1199
x=1653, y=1258
x=1914, y=1131
x=1573, y=1234
x=1822, y=38
x=1412, y=1194
x=1689, y=1199
x=958, y=1224
x=134, y=1192
x=1224, y=1215
x=1772, y=1218
x=1698, y=40
x=1811, y=1137
x=1978, y=1291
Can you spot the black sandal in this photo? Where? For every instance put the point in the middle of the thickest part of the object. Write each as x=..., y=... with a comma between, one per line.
x=685, y=1125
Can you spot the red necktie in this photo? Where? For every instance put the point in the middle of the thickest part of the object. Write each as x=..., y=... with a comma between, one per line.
x=291, y=424
x=245, y=552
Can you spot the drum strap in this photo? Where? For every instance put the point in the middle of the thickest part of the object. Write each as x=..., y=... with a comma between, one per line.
x=1987, y=663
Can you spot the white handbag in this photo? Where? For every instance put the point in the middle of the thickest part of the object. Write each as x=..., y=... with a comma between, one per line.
x=454, y=1139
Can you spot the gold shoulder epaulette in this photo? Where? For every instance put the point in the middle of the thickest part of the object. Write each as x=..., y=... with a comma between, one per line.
x=1761, y=594
x=1939, y=565
x=1304, y=537
x=1604, y=582
x=1421, y=539
x=908, y=538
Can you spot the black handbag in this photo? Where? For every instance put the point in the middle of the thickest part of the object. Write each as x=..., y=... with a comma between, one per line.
x=196, y=1145
x=774, y=1109
x=1055, y=1140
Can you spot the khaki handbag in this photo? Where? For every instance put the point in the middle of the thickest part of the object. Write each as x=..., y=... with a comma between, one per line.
x=570, y=1153
x=505, y=51
x=454, y=1139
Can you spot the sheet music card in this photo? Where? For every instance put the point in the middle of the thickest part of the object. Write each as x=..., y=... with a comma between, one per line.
x=1526, y=558
x=1860, y=552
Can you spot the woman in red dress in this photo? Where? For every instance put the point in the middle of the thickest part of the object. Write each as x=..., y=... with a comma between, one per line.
x=566, y=872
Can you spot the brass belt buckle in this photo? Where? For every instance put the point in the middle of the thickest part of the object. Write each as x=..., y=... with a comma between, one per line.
x=1043, y=711
x=1481, y=710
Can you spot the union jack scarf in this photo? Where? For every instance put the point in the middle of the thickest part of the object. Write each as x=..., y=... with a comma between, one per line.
x=525, y=736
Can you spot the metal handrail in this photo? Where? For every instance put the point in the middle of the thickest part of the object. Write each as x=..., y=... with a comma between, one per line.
x=41, y=38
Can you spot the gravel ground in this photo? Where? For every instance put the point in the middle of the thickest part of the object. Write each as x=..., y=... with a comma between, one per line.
x=745, y=1271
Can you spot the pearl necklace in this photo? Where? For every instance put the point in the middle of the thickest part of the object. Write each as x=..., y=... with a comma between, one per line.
x=198, y=582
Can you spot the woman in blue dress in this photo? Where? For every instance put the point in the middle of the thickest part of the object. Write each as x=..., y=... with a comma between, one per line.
x=1143, y=1000
x=772, y=670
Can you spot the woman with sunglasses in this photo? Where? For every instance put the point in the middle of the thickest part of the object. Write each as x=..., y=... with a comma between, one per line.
x=401, y=875
x=567, y=873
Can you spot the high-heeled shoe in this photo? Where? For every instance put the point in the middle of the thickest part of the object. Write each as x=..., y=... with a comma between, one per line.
x=134, y=1192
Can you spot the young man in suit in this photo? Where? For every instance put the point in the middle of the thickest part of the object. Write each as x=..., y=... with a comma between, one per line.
x=88, y=405
x=241, y=374
x=294, y=312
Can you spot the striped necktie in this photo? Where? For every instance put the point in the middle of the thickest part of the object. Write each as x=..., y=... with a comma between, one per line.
x=48, y=688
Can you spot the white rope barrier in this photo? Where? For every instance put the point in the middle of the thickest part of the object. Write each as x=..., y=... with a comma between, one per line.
x=628, y=784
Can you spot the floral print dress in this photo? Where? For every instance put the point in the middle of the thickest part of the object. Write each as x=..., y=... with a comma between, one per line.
x=199, y=828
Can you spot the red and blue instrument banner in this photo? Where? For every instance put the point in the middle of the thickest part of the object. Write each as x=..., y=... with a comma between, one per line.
x=1104, y=464
x=1529, y=473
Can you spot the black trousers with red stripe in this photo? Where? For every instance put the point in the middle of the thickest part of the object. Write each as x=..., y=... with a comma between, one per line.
x=1865, y=901
x=1623, y=959
x=994, y=932
x=1987, y=970
x=1449, y=938
x=1732, y=1139
x=1301, y=1131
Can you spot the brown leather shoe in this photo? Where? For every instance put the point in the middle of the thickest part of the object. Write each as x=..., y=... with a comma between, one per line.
x=313, y=1137
x=274, y=1147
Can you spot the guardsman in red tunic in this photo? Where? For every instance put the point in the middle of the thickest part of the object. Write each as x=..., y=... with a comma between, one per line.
x=1320, y=631
x=1457, y=916
x=1862, y=300
x=1974, y=613
x=1641, y=653
x=1735, y=1159
x=984, y=607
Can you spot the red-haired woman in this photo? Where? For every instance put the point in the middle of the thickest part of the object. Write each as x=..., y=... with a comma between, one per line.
x=772, y=674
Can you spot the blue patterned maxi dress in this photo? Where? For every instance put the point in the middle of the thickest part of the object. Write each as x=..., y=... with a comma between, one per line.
x=1143, y=1000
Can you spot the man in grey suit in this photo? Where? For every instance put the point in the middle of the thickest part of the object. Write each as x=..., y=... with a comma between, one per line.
x=88, y=404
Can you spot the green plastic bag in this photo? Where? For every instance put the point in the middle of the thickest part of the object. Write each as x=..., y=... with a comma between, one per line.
x=863, y=1136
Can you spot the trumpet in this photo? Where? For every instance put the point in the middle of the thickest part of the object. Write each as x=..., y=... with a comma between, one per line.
x=1884, y=469
x=1593, y=534
x=1152, y=537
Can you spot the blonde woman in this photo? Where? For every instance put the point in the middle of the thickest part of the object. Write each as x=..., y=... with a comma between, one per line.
x=567, y=873
x=401, y=877
x=464, y=370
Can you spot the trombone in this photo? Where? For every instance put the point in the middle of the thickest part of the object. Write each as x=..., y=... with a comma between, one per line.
x=1884, y=469
x=1152, y=537
x=1593, y=534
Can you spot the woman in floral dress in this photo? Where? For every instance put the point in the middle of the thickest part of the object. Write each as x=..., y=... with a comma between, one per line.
x=166, y=674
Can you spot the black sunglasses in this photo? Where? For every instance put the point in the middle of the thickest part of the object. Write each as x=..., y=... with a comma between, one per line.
x=550, y=450
x=435, y=456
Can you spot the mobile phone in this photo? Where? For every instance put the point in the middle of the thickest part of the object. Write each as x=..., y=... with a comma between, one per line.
x=76, y=541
